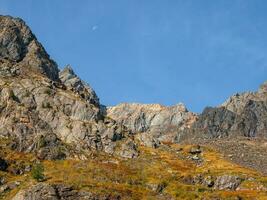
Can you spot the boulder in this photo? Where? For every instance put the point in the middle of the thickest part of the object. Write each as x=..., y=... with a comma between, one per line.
x=147, y=139
x=44, y=191
x=227, y=182
x=128, y=150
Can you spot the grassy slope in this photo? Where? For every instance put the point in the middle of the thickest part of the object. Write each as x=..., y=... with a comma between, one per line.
x=133, y=179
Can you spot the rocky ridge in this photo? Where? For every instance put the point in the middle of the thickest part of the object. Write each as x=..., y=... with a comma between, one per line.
x=20, y=50
x=74, y=83
x=241, y=115
x=42, y=109
x=154, y=121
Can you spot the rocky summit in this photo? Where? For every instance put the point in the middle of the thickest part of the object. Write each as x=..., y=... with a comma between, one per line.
x=42, y=108
x=57, y=141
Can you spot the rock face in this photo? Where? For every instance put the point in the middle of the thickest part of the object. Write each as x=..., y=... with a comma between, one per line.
x=227, y=182
x=263, y=88
x=241, y=115
x=73, y=82
x=20, y=50
x=158, y=120
x=42, y=109
x=223, y=182
x=45, y=191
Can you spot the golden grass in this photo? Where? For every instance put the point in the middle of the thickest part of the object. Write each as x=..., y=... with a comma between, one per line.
x=132, y=179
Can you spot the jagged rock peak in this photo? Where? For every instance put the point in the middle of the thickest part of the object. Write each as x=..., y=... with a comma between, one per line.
x=37, y=107
x=68, y=70
x=73, y=82
x=263, y=88
x=20, y=50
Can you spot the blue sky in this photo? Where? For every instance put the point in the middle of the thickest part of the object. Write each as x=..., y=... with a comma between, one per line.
x=154, y=51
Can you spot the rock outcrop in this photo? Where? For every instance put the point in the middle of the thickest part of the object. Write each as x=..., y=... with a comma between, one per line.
x=227, y=182
x=74, y=83
x=42, y=109
x=43, y=191
x=263, y=88
x=241, y=115
x=20, y=50
x=223, y=182
x=161, y=122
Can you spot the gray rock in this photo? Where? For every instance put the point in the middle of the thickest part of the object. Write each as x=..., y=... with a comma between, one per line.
x=128, y=150
x=43, y=191
x=147, y=139
x=73, y=82
x=227, y=182
x=160, y=121
x=41, y=113
x=224, y=182
x=21, y=50
x=263, y=88
x=241, y=115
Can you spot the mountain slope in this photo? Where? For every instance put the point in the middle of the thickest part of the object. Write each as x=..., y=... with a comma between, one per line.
x=42, y=108
x=237, y=129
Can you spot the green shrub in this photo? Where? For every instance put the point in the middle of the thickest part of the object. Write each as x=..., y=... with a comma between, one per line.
x=38, y=172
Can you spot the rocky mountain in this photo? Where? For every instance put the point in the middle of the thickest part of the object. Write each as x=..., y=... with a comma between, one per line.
x=21, y=52
x=58, y=142
x=42, y=108
x=241, y=115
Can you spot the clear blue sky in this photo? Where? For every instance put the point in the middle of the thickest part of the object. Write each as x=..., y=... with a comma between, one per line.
x=154, y=51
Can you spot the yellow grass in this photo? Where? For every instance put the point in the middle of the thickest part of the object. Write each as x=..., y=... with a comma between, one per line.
x=132, y=179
